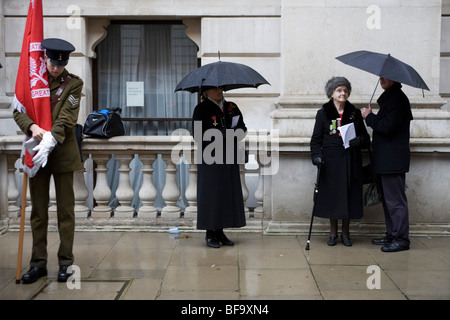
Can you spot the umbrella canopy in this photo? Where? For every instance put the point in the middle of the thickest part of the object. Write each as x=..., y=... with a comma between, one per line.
x=384, y=65
x=227, y=75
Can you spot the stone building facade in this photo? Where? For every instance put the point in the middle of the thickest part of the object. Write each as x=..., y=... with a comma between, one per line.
x=293, y=43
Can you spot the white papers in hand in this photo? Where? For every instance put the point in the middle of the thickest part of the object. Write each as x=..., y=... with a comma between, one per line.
x=347, y=134
x=30, y=144
x=234, y=121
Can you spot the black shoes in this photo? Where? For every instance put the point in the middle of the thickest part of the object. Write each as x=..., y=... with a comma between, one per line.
x=382, y=241
x=223, y=238
x=33, y=275
x=211, y=239
x=63, y=275
x=389, y=245
x=394, y=247
x=345, y=240
x=215, y=237
x=331, y=241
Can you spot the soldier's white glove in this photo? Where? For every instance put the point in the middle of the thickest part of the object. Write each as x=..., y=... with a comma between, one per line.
x=43, y=149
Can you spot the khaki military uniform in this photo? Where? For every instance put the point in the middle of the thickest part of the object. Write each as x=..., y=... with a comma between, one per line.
x=62, y=162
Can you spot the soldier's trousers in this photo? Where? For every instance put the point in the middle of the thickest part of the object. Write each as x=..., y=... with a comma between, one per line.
x=65, y=200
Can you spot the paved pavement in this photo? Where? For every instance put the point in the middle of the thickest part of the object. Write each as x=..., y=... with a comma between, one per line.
x=163, y=266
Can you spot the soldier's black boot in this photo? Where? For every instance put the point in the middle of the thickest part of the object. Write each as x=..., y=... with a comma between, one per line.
x=34, y=274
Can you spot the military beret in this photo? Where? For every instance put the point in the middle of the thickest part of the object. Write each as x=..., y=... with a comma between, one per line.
x=57, y=50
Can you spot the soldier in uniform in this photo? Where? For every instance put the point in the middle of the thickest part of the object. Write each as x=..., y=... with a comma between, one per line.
x=57, y=155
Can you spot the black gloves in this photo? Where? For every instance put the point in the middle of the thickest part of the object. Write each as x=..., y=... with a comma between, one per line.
x=318, y=161
x=355, y=142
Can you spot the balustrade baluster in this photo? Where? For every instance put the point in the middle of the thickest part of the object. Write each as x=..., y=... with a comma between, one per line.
x=259, y=196
x=245, y=192
x=191, y=193
x=13, y=191
x=81, y=193
x=124, y=192
x=52, y=210
x=171, y=192
x=148, y=192
x=102, y=192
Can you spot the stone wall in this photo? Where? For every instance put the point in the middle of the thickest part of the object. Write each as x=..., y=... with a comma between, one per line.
x=293, y=43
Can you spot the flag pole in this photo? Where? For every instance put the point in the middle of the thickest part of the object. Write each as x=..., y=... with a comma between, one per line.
x=22, y=226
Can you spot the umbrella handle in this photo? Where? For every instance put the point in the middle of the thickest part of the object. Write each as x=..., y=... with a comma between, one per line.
x=374, y=91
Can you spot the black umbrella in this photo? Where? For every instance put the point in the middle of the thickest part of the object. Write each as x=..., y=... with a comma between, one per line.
x=384, y=65
x=227, y=75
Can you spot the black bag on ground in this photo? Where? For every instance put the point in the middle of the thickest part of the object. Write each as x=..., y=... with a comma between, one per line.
x=372, y=195
x=103, y=124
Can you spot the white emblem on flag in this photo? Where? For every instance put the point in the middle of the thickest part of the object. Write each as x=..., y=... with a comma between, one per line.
x=35, y=77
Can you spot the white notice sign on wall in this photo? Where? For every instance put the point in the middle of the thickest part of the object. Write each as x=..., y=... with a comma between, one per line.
x=135, y=93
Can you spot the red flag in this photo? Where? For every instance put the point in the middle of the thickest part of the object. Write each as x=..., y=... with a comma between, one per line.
x=32, y=93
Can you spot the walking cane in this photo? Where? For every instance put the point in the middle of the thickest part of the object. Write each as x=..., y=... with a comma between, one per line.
x=22, y=226
x=316, y=191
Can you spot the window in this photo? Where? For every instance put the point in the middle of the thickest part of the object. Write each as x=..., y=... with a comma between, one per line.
x=157, y=54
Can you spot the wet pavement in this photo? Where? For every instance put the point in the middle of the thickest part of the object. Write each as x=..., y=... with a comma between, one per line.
x=163, y=266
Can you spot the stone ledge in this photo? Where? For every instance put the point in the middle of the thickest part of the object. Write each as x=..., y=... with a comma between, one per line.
x=133, y=225
x=368, y=229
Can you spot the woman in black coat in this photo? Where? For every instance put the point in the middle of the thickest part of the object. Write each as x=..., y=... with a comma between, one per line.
x=220, y=203
x=340, y=181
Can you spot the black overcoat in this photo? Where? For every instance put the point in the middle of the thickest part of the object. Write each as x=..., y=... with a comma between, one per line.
x=340, y=181
x=220, y=202
x=391, y=153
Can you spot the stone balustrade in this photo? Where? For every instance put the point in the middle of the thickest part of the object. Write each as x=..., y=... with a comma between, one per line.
x=93, y=193
x=160, y=192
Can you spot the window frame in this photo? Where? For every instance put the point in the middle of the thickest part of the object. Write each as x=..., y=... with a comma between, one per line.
x=95, y=93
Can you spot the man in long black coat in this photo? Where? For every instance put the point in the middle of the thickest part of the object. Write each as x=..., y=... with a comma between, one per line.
x=391, y=161
x=220, y=202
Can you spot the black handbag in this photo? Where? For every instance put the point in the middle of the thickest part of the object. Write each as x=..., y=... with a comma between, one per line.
x=103, y=124
x=372, y=194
